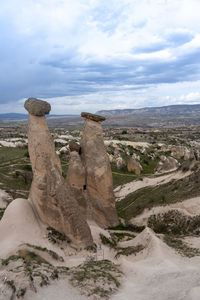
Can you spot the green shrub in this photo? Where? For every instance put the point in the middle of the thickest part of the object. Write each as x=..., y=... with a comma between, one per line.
x=55, y=236
x=181, y=247
x=173, y=222
x=128, y=227
x=129, y=250
x=112, y=243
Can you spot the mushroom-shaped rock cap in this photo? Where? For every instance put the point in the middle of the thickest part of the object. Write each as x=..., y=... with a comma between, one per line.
x=37, y=107
x=92, y=117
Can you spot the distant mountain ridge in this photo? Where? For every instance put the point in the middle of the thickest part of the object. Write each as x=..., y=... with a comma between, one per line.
x=154, y=117
x=13, y=116
x=170, y=109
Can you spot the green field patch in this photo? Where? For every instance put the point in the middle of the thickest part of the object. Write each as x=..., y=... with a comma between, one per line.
x=148, y=197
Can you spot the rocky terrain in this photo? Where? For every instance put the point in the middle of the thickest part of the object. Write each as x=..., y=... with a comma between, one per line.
x=101, y=214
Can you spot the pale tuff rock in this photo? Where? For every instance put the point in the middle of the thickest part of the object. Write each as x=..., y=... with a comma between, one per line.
x=180, y=152
x=99, y=182
x=5, y=199
x=167, y=164
x=37, y=107
x=134, y=166
x=76, y=180
x=73, y=146
x=50, y=196
x=92, y=117
x=136, y=157
x=120, y=163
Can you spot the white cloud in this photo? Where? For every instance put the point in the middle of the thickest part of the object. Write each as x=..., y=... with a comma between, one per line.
x=123, y=53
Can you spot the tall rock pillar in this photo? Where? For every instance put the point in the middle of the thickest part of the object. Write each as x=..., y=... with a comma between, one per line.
x=98, y=175
x=50, y=196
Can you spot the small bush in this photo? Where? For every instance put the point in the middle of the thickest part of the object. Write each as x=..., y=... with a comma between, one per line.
x=129, y=250
x=181, y=247
x=27, y=167
x=11, y=284
x=122, y=235
x=124, y=131
x=108, y=241
x=99, y=278
x=55, y=236
x=6, y=261
x=128, y=227
x=173, y=222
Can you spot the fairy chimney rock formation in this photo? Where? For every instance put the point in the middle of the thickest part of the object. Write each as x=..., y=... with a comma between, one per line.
x=99, y=182
x=51, y=198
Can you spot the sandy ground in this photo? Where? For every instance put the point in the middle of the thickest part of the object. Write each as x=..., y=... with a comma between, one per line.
x=156, y=273
x=123, y=190
x=60, y=290
x=159, y=273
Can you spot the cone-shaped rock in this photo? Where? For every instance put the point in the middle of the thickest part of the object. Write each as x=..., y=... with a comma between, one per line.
x=50, y=196
x=99, y=182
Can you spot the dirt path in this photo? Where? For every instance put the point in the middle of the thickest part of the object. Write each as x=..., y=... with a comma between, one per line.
x=123, y=190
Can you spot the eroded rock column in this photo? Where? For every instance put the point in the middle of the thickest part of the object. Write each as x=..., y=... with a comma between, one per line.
x=99, y=181
x=50, y=196
x=76, y=176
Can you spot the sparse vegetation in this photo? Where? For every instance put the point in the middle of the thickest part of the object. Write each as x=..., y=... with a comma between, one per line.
x=111, y=242
x=123, y=236
x=128, y=227
x=129, y=250
x=99, y=278
x=181, y=247
x=33, y=267
x=11, y=284
x=122, y=178
x=102, y=278
x=175, y=223
x=6, y=261
x=53, y=254
x=13, y=176
x=174, y=191
x=55, y=236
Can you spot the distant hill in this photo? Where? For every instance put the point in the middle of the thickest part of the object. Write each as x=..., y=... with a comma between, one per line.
x=171, y=109
x=147, y=117
x=13, y=116
x=165, y=116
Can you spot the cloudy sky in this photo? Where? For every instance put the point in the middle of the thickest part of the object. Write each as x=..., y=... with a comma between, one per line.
x=99, y=54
